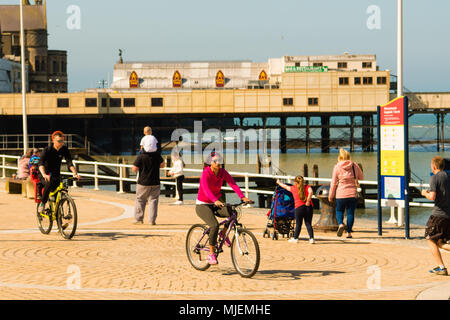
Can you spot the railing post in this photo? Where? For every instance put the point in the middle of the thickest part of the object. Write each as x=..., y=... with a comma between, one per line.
x=4, y=165
x=96, y=176
x=246, y=185
x=75, y=181
x=121, y=179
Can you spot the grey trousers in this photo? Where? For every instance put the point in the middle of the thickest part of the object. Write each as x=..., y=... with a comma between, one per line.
x=146, y=194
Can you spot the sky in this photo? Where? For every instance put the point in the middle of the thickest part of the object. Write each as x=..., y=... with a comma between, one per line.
x=147, y=30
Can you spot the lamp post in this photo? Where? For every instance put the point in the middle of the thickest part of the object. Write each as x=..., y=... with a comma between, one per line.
x=24, y=84
x=400, y=48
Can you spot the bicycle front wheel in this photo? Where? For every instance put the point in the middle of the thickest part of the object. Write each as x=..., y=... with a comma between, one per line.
x=245, y=253
x=197, y=247
x=67, y=217
x=44, y=220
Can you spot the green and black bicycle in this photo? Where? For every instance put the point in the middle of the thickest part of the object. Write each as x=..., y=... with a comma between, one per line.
x=60, y=207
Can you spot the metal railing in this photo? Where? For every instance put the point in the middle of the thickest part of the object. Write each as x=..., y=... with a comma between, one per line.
x=15, y=142
x=247, y=190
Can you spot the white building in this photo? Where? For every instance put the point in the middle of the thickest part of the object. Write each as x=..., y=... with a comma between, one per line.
x=236, y=74
x=10, y=76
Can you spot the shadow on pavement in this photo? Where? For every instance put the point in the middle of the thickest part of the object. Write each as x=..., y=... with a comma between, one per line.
x=285, y=274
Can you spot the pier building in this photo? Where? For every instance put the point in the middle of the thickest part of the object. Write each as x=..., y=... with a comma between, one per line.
x=224, y=95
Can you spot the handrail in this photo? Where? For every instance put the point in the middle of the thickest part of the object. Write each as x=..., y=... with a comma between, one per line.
x=246, y=189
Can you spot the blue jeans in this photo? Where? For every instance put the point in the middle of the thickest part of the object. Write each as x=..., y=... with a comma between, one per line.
x=350, y=205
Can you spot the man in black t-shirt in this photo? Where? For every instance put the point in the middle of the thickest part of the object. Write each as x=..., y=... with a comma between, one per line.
x=148, y=185
x=50, y=165
x=437, y=231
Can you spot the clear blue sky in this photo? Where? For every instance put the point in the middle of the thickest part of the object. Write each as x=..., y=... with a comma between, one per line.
x=254, y=30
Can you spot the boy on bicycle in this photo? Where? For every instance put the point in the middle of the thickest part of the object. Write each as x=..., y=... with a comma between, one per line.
x=50, y=166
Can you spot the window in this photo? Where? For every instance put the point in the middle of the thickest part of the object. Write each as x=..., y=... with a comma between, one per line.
x=288, y=101
x=91, y=102
x=367, y=80
x=343, y=81
x=129, y=102
x=63, y=67
x=367, y=65
x=37, y=64
x=357, y=81
x=115, y=102
x=313, y=101
x=104, y=102
x=55, y=67
x=157, y=102
x=342, y=65
x=63, y=103
x=317, y=64
x=381, y=80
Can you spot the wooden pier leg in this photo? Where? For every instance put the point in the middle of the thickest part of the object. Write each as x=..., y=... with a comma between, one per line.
x=283, y=135
x=315, y=175
x=443, y=131
x=307, y=136
x=352, y=134
x=325, y=122
x=438, y=128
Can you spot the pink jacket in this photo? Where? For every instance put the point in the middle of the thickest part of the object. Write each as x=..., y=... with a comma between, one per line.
x=343, y=180
x=210, y=185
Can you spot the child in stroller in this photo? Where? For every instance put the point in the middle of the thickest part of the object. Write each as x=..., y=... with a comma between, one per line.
x=281, y=216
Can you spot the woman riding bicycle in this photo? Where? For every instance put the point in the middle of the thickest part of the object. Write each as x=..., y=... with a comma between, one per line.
x=211, y=182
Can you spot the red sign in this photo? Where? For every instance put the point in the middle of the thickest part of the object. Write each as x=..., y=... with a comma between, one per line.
x=134, y=80
x=220, y=79
x=177, y=80
x=392, y=113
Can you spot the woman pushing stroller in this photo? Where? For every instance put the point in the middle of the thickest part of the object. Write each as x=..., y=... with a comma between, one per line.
x=303, y=207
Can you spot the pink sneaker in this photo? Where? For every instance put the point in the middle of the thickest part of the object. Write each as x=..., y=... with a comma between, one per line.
x=227, y=240
x=212, y=259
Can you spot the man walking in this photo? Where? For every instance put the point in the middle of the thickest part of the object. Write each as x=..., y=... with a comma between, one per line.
x=437, y=231
x=148, y=185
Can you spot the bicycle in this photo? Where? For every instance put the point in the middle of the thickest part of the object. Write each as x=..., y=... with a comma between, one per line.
x=60, y=207
x=245, y=253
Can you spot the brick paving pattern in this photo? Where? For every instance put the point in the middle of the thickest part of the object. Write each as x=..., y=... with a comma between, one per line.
x=110, y=258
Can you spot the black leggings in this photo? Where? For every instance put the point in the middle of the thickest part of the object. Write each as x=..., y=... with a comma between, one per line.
x=303, y=213
x=49, y=187
x=180, y=180
x=205, y=212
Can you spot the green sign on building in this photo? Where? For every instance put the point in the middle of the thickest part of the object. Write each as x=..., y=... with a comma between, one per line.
x=305, y=69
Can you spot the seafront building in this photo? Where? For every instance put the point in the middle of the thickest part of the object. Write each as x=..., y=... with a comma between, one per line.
x=10, y=76
x=47, y=69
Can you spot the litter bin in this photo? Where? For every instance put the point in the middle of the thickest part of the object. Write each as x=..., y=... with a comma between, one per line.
x=327, y=221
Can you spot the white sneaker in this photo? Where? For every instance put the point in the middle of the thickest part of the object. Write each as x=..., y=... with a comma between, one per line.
x=292, y=240
x=178, y=202
x=311, y=241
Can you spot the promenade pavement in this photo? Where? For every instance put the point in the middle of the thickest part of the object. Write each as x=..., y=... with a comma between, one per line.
x=110, y=258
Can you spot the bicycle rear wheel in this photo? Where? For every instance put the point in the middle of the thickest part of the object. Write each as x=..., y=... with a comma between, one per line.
x=245, y=253
x=197, y=247
x=44, y=220
x=67, y=217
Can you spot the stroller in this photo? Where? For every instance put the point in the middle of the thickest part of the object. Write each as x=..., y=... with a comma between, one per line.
x=281, y=216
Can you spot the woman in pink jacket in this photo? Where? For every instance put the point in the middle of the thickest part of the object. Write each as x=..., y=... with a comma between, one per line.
x=211, y=182
x=343, y=184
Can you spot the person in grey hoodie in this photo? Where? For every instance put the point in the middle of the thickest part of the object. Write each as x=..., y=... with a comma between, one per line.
x=346, y=174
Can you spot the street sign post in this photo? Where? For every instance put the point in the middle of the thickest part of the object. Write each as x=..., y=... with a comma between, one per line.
x=393, y=158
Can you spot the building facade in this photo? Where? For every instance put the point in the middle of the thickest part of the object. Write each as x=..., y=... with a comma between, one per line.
x=47, y=69
x=10, y=77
